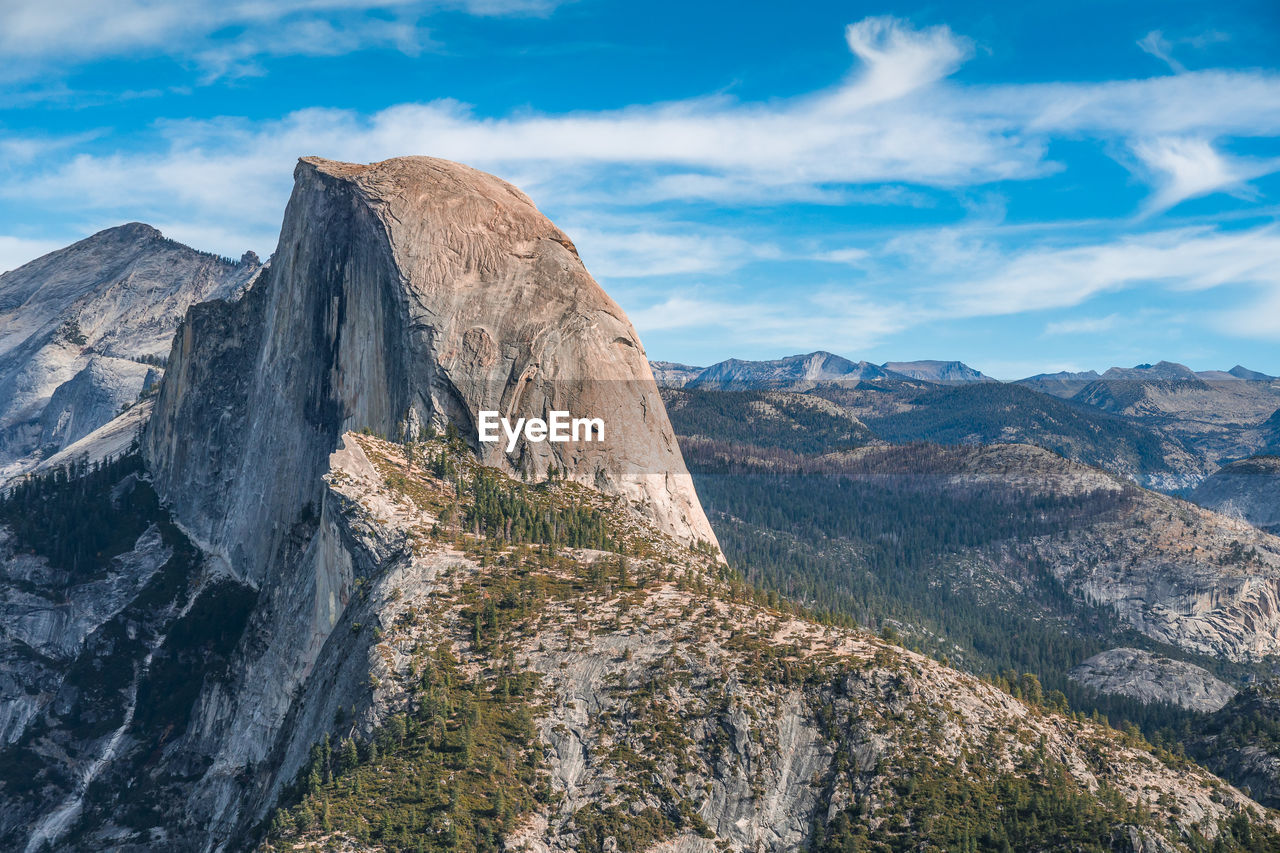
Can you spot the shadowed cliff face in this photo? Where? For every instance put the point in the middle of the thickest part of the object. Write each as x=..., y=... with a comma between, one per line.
x=404, y=293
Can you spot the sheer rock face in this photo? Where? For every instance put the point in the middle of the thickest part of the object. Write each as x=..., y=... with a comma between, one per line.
x=74, y=324
x=404, y=293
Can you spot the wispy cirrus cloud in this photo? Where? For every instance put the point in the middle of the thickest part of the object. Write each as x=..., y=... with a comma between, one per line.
x=980, y=276
x=638, y=251
x=1163, y=48
x=1083, y=325
x=820, y=320
x=1187, y=168
x=896, y=123
x=871, y=133
x=220, y=38
x=1158, y=46
x=1039, y=278
x=897, y=130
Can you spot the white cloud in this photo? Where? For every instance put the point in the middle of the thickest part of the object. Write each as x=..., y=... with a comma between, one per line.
x=938, y=277
x=842, y=256
x=897, y=60
x=956, y=274
x=1158, y=46
x=1208, y=104
x=644, y=253
x=1037, y=279
x=37, y=35
x=877, y=127
x=1189, y=168
x=893, y=124
x=307, y=37
x=1162, y=48
x=837, y=322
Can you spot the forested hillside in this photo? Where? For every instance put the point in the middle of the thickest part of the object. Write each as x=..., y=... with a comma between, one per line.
x=989, y=412
x=972, y=553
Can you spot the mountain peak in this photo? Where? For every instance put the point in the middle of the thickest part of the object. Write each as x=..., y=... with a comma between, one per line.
x=1145, y=372
x=931, y=370
x=818, y=366
x=409, y=295
x=66, y=309
x=130, y=229
x=1242, y=372
x=431, y=196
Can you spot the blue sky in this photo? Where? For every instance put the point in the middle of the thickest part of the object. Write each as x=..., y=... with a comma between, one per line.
x=1025, y=187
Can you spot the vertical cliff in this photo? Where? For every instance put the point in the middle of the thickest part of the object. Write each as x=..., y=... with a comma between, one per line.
x=404, y=295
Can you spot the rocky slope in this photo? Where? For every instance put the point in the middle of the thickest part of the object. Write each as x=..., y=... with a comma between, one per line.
x=1271, y=434
x=1248, y=489
x=1242, y=740
x=1179, y=574
x=997, y=412
x=674, y=712
x=1154, y=678
x=406, y=297
x=966, y=548
x=82, y=329
x=478, y=690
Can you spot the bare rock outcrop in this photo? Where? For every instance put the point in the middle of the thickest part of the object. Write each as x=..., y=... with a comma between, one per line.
x=1154, y=678
x=1248, y=489
x=404, y=298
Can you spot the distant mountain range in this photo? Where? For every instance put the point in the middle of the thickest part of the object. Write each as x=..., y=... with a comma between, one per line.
x=823, y=366
x=1162, y=425
x=814, y=367
x=85, y=331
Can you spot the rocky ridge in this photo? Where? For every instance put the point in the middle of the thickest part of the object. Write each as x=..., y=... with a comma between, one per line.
x=83, y=329
x=937, y=371
x=677, y=713
x=791, y=373
x=425, y=292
